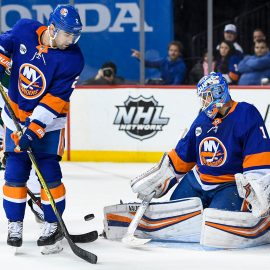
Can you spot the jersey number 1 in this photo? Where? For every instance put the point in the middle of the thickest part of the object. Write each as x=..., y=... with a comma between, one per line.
x=263, y=132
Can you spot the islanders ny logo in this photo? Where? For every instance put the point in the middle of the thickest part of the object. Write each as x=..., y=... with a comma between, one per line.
x=31, y=82
x=212, y=152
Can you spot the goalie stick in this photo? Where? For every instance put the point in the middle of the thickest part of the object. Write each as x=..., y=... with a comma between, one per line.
x=130, y=239
x=77, y=238
x=83, y=254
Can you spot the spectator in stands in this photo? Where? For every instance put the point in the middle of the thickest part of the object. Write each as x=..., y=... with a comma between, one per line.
x=200, y=69
x=258, y=34
x=230, y=34
x=254, y=68
x=172, y=67
x=105, y=76
x=227, y=61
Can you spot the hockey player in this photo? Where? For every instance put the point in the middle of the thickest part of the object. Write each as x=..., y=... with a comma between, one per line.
x=224, y=162
x=46, y=63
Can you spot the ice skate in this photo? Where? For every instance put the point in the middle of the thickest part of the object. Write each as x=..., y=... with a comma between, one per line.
x=14, y=238
x=50, y=239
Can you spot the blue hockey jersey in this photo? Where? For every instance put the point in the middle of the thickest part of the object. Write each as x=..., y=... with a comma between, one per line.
x=42, y=78
x=236, y=143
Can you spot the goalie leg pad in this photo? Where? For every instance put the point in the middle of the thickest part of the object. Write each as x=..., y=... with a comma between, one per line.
x=178, y=220
x=228, y=229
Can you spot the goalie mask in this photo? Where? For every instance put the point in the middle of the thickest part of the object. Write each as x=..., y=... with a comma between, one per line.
x=213, y=92
x=67, y=23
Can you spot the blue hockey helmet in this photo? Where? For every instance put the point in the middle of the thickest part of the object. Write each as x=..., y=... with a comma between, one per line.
x=66, y=18
x=213, y=91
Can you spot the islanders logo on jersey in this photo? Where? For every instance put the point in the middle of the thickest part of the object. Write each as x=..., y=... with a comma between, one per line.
x=212, y=152
x=31, y=82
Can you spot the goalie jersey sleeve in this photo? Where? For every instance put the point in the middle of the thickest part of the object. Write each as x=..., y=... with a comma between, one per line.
x=236, y=143
x=42, y=78
x=256, y=142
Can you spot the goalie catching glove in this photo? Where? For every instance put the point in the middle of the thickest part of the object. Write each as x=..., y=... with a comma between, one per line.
x=33, y=131
x=157, y=179
x=256, y=190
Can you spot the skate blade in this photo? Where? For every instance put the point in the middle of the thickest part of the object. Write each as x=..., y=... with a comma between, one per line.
x=52, y=249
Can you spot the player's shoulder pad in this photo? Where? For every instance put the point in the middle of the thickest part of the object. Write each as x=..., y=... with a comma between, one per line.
x=249, y=112
x=247, y=108
x=74, y=54
x=201, y=117
x=24, y=25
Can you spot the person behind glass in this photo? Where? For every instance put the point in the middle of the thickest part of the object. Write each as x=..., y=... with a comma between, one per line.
x=227, y=61
x=172, y=67
x=200, y=69
x=105, y=76
x=258, y=34
x=254, y=68
x=230, y=34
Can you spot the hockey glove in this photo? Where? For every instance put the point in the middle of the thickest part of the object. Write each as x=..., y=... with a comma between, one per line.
x=34, y=130
x=3, y=158
x=153, y=179
x=256, y=190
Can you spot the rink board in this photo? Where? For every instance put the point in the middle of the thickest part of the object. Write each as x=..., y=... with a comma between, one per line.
x=135, y=124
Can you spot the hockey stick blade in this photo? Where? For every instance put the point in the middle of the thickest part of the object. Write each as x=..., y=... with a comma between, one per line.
x=84, y=238
x=132, y=241
x=129, y=238
x=82, y=253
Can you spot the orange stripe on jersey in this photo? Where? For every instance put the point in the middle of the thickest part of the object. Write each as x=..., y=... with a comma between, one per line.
x=216, y=179
x=179, y=164
x=56, y=103
x=20, y=114
x=39, y=32
x=57, y=192
x=4, y=61
x=260, y=159
x=15, y=192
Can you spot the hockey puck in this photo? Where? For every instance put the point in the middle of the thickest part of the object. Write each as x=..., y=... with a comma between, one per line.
x=89, y=217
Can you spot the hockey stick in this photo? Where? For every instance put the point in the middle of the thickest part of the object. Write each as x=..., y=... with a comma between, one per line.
x=77, y=238
x=85, y=255
x=129, y=238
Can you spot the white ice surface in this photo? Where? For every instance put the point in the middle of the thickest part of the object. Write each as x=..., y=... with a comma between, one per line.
x=90, y=187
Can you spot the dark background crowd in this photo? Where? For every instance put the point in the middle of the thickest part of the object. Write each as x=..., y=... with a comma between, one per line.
x=241, y=46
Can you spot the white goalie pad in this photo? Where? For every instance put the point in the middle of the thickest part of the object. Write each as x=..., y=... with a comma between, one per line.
x=152, y=179
x=256, y=190
x=178, y=220
x=227, y=229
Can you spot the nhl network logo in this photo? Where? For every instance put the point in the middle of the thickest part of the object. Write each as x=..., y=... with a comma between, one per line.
x=140, y=117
